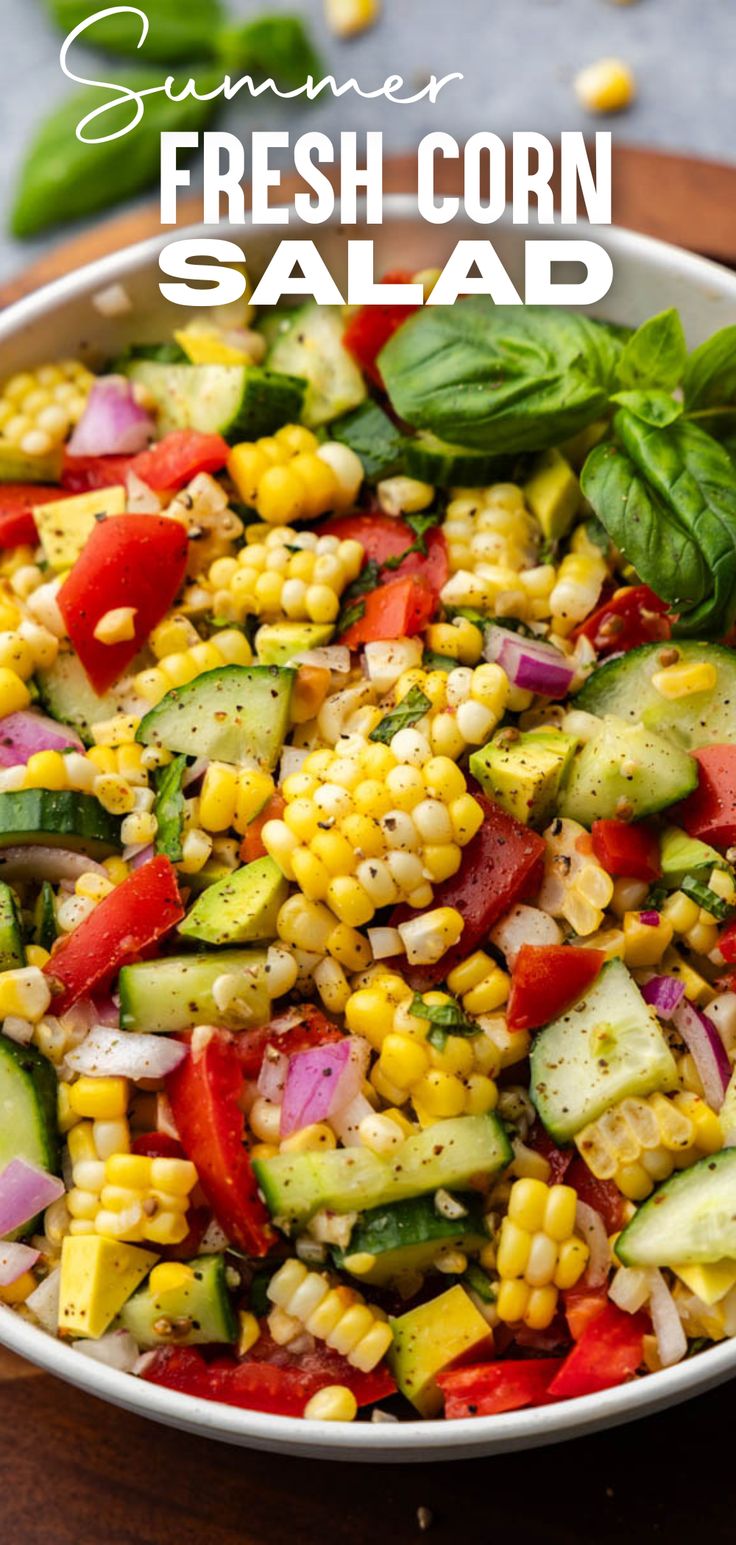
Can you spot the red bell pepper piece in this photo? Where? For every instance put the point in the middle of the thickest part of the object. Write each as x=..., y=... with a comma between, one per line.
x=313, y=1029
x=275, y=1381
x=710, y=811
x=581, y=1306
x=727, y=945
x=546, y=979
x=608, y=1352
x=397, y=610
x=129, y=560
x=204, y=1092
x=489, y=1388
x=372, y=326
x=17, y=526
x=559, y=1159
x=168, y=465
x=500, y=866
x=631, y=617
x=137, y=913
x=251, y=846
x=157, y=1145
x=603, y=1195
x=385, y=539
x=628, y=850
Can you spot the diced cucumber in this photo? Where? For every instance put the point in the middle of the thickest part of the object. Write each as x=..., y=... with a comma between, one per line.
x=67, y=695
x=608, y=1046
x=451, y=466
x=237, y=713
x=680, y=855
x=624, y=686
x=312, y=347
x=241, y=402
x=451, y=1154
x=626, y=765
x=374, y=438
x=242, y=908
x=12, y=949
x=690, y=1219
x=407, y=1237
x=175, y=992
x=58, y=819
x=203, y=1303
x=28, y=1099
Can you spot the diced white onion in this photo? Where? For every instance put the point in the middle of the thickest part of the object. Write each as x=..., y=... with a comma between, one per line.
x=668, y=1329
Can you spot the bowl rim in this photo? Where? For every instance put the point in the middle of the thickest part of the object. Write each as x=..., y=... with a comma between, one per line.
x=413, y=1439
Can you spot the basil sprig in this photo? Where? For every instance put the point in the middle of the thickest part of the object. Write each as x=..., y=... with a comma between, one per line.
x=169, y=809
x=176, y=31
x=409, y=711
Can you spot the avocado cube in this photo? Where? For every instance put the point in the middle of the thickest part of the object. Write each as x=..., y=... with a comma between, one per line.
x=709, y=1283
x=553, y=494
x=240, y=909
x=65, y=524
x=278, y=642
x=680, y=855
x=524, y=775
x=98, y=1275
x=430, y=1338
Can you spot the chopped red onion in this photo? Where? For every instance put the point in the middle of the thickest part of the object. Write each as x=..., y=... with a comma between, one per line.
x=41, y=863
x=590, y=1224
x=15, y=1259
x=528, y=662
x=24, y=1192
x=321, y=1081
x=137, y=855
x=24, y=733
x=663, y=993
x=649, y=919
x=113, y=423
x=707, y=1049
x=126, y=1054
x=272, y=1077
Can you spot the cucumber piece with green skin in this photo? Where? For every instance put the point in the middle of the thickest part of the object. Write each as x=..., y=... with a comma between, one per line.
x=175, y=992
x=374, y=438
x=626, y=765
x=680, y=855
x=451, y=1154
x=45, y=928
x=690, y=1219
x=12, y=948
x=311, y=347
x=624, y=686
x=240, y=402
x=276, y=643
x=237, y=713
x=407, y=1237
x=242, y=908
x=607, y=1047
x=28, y=1102
x=58, y=819
x=67, y=696
x=432, y=460
x=203, y=1301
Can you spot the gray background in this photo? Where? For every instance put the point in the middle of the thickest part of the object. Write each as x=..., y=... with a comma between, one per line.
x=518, y=58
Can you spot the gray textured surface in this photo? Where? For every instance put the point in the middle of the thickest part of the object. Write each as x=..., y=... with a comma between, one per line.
x=518, y=58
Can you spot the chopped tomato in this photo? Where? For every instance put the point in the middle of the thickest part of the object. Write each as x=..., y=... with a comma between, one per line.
x=623, y=849
x=609, y=1352
x=632, y=616
x=135, y=561
x=500, y=866
x=371, y=327
x=727, y=946
x=312, y=1028
x=559, y=1159
x=603, y=1195
x=132, y=917
x=251, y=846
x=397, y=610
x=17, y=526
x=546, y=980
x=385, y=540
x=205, y=1092
x=269, y=1378
x=168, y=465
x=157, y=1145
x=488, y=1388
x=710, y=811
x=581, y=1306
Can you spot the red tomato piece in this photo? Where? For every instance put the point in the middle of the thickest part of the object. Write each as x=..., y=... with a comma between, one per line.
x=385, y=539
x=559, y=1159
x=312, y=1029
x=609, y=1352
x=397, y=610
x=157, y=1145
x=710, y=811
x=631, y=617
x=168, y=465
x=204, y=1092
x=727, y=947
x=546, y=980
x=623, y=849
x=276, y=1381
x=145, y=907
x=129, y=560
x=17, y=526
x=581, y=1306
x=603, y=1195
x=251, y=846
x=500, y=866
x=372, y=326
x=490, y=1388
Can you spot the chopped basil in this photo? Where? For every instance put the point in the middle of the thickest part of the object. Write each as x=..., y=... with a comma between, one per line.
x=409, y=711
x=709, y=900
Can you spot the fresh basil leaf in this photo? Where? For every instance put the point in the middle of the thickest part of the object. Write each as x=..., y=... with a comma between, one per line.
x=420, y=524
x=706, y=898
x=374, y=438
x=655, y=898
x=276, y=48
x=710, y=374
x=169, y=809
x=447, y=1017
x=161, y=353
x=350, y=615
x=478, y=1282
x=177, y=30
x=409, y=711
x=652, y=407
x=64, y=178
x=656, y=353
x=500, y=378
x=432, y=661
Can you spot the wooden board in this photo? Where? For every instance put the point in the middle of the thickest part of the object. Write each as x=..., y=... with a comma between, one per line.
x=676, y=198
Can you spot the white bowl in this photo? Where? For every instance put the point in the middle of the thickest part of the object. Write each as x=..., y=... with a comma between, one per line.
x=60, y=320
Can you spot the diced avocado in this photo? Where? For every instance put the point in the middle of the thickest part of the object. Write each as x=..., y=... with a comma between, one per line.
x=236, y=401
x=311, y=347
x=553, y=494
x=12, y=949
x=524, y=775
x=624, y=686
x=16, y=466
x=390, y=1242
x=59, y=819
x=689, y=1220
x=680, y=855
x=237, y=713
x=277, y=642
x=453, y=1154
x=67, y=695
x=240, y=909
x=709, y=1283
x=175, y=992
x=28, y=1103
x=605, y=1048
x=203, y=346
x=625, y=767
x=202, y=1302
x=65, y=524
x=431, y=1338
x=97, y=1276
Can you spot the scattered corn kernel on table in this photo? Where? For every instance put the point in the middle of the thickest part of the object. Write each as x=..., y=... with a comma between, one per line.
x=76, y=1470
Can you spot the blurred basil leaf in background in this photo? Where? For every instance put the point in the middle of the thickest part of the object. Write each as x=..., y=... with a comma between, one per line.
x=270, y=47
x=178, y=29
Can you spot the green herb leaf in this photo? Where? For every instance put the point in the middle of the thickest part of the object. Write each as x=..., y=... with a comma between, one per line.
x=169, y=809
x=420, y=524
x=349, y=616
x=447, y=1018
x=652, y=407
x=409, y=711
x=655, y=354
x=432, y=661
x=710, y=374
x=161, y=353
x=374, y=438
x=478, y=1282
x=706, y=898
x=655, y=899
x=176, y=30
x=276, y=48
x=353, y=608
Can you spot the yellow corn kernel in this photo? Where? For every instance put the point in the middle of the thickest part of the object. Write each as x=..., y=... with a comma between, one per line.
x=217, y=800
x=489, y=994
x=93, y=886
x=166, y=1228
x=117, y=869
x=24, y=994
x=128, y=1171
x=249, y=1331
x=101, y=1099
x=169, y=1277
x=559, y=1212
x=317, y=1138
x=254, y=789
x=439, y=1095
x=116, y=626
x=645, y=945
x=36, y=955
x=17, y=1292
x=14, y=694
x=46, y=770
x=541, y=1307
x=114, y=794
x=403, y=1060
x=512, y=1299
x=607, y=86
x=528, y=1205
x=334, y=1403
